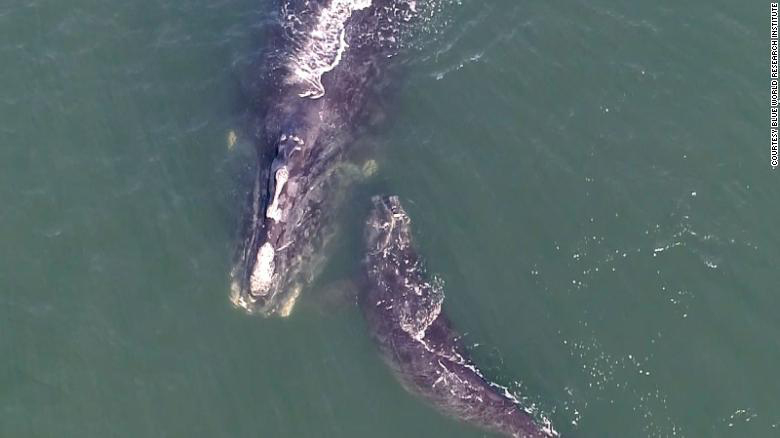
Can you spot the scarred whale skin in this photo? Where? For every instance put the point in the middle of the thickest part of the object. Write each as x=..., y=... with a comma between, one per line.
x=403, y=310
x=328, y=59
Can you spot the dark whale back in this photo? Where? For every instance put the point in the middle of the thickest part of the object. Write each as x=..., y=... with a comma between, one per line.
x=403, y=310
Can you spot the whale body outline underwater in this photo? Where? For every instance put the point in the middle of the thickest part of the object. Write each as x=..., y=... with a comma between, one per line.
x=331, y=58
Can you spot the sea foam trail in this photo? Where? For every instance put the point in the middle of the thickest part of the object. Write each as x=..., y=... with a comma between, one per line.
x=320, y=51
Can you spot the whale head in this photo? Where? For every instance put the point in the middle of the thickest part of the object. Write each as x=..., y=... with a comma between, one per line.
x=293, y=204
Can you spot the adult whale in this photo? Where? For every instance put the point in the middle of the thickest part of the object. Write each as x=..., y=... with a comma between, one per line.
x=403, y=310
x=328, y=59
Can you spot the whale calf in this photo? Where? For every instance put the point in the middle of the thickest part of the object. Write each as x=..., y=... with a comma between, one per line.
x=327, y=59
x=403, y=310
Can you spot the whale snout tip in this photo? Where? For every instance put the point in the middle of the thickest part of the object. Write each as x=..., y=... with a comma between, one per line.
x=252, y=285
x=262, y=287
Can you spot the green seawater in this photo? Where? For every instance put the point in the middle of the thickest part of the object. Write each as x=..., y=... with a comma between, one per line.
x=590, y=179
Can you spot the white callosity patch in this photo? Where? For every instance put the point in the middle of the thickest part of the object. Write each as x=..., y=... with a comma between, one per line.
x=321, y=50
x=263, y=272
x=273, y=211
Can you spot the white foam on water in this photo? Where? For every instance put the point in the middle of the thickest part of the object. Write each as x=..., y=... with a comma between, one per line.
x=287, y=306
x=237, y=298
x=322, y=49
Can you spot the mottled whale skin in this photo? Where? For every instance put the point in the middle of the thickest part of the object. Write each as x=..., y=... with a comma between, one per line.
x=403, y=310
x=327, y=59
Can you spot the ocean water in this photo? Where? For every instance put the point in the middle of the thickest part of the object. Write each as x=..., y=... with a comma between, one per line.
x=591, y=180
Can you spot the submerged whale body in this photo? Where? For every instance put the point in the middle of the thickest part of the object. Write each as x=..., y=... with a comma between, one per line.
x=403, y=310
x=328, y=57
